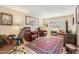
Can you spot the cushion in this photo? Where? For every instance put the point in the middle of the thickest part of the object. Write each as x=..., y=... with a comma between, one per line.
x=7, y=39
x=2, y=42
x=71, y=46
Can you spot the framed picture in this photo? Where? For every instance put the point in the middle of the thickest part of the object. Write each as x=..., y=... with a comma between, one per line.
x=6, y=19
x=77, y=14
x=31, y=21
x=55, y=24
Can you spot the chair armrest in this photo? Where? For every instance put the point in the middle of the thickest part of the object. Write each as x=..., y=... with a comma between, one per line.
x=14, y=42
x=12, y=36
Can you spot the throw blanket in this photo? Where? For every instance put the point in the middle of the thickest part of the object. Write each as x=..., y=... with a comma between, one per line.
x=47, y=45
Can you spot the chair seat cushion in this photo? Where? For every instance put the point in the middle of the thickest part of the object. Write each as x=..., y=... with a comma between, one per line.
x=2, y=42
x=71, y=46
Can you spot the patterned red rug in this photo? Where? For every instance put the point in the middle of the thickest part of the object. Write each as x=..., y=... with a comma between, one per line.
x=47, y=45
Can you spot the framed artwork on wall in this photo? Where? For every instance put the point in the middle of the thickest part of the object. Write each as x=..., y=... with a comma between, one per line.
x=31, y=21
x=77, y=15
x=55, y=24
x=6, y=19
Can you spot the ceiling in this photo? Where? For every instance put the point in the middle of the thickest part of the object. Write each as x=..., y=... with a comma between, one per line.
x=44, y=11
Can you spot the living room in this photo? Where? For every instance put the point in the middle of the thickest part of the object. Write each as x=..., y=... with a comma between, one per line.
x=42, y=20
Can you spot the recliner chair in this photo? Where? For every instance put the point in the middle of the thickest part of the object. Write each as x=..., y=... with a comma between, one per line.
x=41, y=32
x=29, y=35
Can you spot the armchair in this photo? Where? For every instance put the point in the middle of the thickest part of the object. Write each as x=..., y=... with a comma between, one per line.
x=7, y=44
x=29, y=35
x=70, y=42
x=41, y=32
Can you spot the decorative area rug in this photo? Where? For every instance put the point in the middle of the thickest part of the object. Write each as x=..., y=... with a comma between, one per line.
x=46, y=45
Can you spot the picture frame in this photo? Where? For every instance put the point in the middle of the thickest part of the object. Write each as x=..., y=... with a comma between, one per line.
x=55, y=24
x=77, y=15
x=6, y=19
x=31, y=21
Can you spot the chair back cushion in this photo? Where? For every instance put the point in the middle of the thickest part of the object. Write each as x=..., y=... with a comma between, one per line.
x=70, y=38
x=21, y=34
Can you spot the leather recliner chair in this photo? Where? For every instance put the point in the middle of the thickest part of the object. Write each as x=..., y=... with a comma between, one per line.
x=41, y=32
x=29, y=35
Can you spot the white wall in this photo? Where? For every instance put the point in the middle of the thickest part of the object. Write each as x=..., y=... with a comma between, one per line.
x=78, y=26
x=77, y=34
x=61, y=19
x=18, y=18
